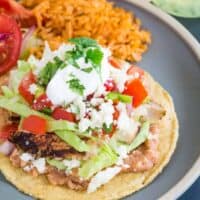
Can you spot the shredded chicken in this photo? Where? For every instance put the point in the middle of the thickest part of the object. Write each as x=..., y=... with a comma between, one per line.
x=47, y=145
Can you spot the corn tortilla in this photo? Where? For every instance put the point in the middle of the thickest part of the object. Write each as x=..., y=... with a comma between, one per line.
x=40, y=188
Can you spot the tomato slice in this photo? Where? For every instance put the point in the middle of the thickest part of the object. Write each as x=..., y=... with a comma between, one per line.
x=60, y=113
x=18, y=12
x=7, y=131
x=135, y=71
x=136, y=89
x=34, y=124
x=114, y=63
x=24, y=87
x=10, y=43
x=42, y=102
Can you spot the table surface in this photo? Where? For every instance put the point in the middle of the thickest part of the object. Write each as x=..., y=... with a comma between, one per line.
x=193, y=25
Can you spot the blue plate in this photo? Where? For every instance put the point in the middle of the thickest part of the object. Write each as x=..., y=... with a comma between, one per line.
x=173, y=60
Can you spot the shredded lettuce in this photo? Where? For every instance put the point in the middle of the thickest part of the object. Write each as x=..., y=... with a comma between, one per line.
x=19, y=108
x=7, y=91
x=105, y=158
x=56, y=125
x=62, y=128
x=73, y=140
x=25, y=111
x=56, y=163
x=17, y=75
x=141, y=137
x=120, y=97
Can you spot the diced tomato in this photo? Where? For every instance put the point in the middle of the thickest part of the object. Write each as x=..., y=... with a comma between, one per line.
x=24, y=87
x=136, y=89
x=34, y=124
x=7, y=131
x=10, y=43
x=18, y=12
x=110, y=85
x=134, y=70
x=114, y=62
x=60, y=113
x=41, y=102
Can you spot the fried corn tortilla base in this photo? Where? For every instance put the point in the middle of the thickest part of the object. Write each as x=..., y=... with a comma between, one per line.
x=120, y=186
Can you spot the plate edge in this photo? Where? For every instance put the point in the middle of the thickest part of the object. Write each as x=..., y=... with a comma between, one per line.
x=194, y=45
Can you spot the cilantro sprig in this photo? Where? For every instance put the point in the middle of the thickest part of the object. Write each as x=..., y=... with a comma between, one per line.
x=76, y=86
x=84, y=47
x=89, y=49
x=49, y=70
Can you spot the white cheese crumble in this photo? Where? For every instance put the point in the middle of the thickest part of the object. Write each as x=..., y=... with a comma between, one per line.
x=102, y=178
x=123, y=153
x=120, y=76
x=28, y=168
x=103, y=116
x=40, y=165
x=33, y=88
x=26, y=157
x=84, y=124
x=70, y=164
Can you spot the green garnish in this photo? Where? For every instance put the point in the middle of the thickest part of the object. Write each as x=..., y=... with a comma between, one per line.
x=88, y=70
x=95, y=56
x=84, y=42
x=46, y=111
x=47, y=73
x=120, y=97
x=76, y=86
x=106, y=129
x=89, y=49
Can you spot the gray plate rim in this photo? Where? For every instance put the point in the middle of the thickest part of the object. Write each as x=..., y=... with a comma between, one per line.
x=194, y=45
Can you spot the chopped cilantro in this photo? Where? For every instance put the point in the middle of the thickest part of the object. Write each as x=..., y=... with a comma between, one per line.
x=84, y=42
x=95, y=56
x=106, y=129
x=88, y=70
x=47, y=111
x=89, y=49
x=49, y=70
x=76, y=86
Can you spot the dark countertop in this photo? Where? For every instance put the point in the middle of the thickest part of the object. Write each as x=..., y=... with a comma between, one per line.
x=193, y=25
